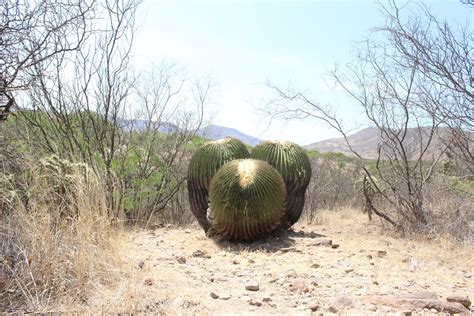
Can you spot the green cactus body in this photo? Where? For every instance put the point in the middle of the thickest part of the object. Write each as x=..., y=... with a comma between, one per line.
x=247, y=199
x=294, y=166
x=203, y=166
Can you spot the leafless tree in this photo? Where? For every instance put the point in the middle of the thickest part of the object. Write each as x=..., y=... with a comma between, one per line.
x=32, y=32
x=444, y=54
x=409, y=91
x=165, y=130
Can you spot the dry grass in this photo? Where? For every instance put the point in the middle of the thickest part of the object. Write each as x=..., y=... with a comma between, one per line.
x=56, y=246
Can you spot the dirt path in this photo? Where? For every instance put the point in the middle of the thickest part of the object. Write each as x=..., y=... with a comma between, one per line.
x=343, y=265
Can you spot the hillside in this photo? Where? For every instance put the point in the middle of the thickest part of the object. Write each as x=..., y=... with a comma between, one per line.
x=367, y=140
x=215, y=132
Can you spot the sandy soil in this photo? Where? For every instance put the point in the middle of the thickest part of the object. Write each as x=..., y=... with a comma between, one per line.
x=181, y=271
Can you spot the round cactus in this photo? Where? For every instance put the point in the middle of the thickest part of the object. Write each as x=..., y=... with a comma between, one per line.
x=247, y=199
x=292, y=162
x=203, y=166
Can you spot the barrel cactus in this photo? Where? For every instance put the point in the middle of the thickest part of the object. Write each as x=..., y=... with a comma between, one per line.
x=247, y=200
x=292, y=162
x=203, y=166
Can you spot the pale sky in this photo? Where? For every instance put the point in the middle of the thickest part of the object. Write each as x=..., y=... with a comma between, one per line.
x=243, y=44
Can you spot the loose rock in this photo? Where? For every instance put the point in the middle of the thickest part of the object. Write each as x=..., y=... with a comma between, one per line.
x=299, y=286
x=201, y=254
x=313, y=306
x=148, y=281
x=341, y=302
x=291, y=274
x=214, y=295
x=323, y=242
x=181, y=260
x=255, y=302
x=464, y=300
x=225, y=297
x=252, y=286
x=414, y=303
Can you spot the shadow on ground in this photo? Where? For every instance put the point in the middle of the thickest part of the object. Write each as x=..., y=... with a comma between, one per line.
x=284, y=241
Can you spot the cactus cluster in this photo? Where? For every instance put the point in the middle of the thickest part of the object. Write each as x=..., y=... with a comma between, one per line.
x=249, y=197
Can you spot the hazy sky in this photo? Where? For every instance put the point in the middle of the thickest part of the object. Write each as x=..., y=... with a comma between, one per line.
x=243, y=44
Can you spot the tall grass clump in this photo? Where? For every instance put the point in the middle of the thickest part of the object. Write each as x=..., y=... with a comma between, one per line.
x=56, y=237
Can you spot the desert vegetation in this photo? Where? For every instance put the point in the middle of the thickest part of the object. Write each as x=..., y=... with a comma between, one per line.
x=417, y=96
x=94, y=156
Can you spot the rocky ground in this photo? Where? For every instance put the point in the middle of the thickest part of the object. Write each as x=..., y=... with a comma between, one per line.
x=344, y=264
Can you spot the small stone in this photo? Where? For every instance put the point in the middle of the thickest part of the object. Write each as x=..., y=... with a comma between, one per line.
x=252, y=286
x=291, y=274
x=255, y=302
x=332, y=309
x=315, y=266
x=148, y=281
x=141, y=264
x=235, y=261
x=464, y=300
x=225, y=297
x=323, y=242
x=266, y=299
x=214, y=295
x=313, y=306
x=299, y=286
x=251, y=261
x=187, y=231
x=201, y=254
x=341, y=302
x=181, y=259
x=335, y=246
x=407, y=313
x=369, y=257
x=381, y=253
x=349, y=270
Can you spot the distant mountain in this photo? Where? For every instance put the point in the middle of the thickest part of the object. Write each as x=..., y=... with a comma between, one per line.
x=215, y=132
x=366, y=142
x=140, y=125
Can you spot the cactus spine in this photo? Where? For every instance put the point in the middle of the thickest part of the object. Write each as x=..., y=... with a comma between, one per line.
x=247, y=199
x=292, y=162
x=204, y=164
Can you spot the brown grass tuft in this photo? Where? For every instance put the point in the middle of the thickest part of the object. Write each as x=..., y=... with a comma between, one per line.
x=57, y=242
